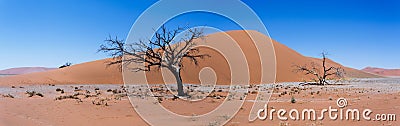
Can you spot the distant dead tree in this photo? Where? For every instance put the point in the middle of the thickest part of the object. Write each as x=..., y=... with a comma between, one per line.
x=321, y=75
x=163, y=50
x=67, y=64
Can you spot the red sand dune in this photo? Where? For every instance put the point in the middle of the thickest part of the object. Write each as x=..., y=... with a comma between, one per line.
x=97, y=72
x=24, y=70
x=382, y=72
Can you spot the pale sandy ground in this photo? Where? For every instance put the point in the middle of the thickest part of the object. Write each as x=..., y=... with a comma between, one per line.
x=380, y=95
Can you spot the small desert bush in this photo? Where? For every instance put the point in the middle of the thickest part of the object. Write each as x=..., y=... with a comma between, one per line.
x=67, y=97
x=159, y=99
x=293, y=100
x=58, y=89
x=33, y=93
x=226, y=117
x=101, y=101
x=8, y=96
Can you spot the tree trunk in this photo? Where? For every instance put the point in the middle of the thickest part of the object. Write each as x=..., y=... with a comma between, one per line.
x=325, y=71
x=179, y=83
x=320, y=82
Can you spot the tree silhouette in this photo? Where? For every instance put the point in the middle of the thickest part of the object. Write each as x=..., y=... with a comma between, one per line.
x=326, y=71
x=67, y=64
x=161, y=51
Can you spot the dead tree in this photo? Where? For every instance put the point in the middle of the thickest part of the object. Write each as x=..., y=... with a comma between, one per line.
x=321, y=75
x=65, y=65
x=162, y=51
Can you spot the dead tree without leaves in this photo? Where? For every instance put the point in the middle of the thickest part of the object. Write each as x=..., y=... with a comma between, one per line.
x=164, y=50
x=320, y=75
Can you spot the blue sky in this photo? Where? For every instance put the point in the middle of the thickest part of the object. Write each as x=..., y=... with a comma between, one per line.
x=356, y=33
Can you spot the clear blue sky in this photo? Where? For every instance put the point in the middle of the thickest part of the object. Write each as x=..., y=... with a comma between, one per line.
x=356, y=33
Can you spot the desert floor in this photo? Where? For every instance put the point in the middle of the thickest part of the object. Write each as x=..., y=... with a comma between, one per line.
x=109, y=104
